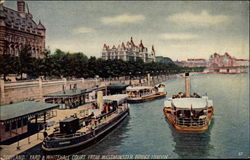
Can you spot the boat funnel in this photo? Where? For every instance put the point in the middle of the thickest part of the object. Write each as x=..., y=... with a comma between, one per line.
x=100, y=100
x=148, y=79
x=187, y=85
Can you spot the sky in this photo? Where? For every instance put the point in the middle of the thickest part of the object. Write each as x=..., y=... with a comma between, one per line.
x=177, y=29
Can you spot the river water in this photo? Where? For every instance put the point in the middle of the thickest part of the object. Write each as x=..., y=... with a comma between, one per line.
x=146, y=133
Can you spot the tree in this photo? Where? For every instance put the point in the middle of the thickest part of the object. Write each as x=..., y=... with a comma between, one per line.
x=25, y=61
x=70, y=65
x=7, y=65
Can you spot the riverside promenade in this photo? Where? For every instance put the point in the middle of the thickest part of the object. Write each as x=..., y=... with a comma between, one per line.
x=11, y=92
x=13, y=151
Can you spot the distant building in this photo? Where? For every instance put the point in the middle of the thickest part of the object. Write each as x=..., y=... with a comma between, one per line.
x=218, y=64
x=221, y=60
x=18, y=29
x=163, y=59
x=128, y=51
x=242, y=62
x=192, y=63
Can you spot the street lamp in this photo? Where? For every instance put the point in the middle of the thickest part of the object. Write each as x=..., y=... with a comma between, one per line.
x=139, y=77
x=153, y=77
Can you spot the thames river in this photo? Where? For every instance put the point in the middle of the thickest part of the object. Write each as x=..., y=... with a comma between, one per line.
x=146, y=133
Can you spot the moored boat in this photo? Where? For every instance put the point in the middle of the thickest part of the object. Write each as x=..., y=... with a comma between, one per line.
x=189, y=113
x=83, y=132
x=141, y=94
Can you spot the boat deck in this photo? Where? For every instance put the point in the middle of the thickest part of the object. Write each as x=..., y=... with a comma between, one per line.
x=146, y=98
x=103, y=121
x=187, y=128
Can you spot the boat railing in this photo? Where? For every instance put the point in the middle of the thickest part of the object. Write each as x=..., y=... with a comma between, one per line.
x=58, y=136
x=141, y=95
x=191, y=122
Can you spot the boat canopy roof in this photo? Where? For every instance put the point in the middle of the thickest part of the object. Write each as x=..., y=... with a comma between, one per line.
x=117, y=86
x=116, y=97
x=138, y=88
x=24, y=109
x=188, y=103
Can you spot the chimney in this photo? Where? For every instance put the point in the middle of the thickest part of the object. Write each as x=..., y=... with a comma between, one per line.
x=21, y=6
x=63, y=88
x=187, y=85
x=100, y=100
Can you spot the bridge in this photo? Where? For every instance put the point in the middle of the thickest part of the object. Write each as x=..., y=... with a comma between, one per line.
x=227, y=69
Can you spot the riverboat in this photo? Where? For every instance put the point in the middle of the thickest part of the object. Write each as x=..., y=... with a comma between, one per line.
x=189, y=113
x=81, y=133
x=141, y=94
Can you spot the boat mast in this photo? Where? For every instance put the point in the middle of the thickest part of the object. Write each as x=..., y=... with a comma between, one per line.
x=187, y=85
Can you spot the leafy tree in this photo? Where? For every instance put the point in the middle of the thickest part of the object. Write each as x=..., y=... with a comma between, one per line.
x=65, y=64
x=25, y=61
x=7, y=65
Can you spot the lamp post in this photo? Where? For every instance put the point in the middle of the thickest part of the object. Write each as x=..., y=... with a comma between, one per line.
x=139, y=77
x=153, y=77
x=147, y=77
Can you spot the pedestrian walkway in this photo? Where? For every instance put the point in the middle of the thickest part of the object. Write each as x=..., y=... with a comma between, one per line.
x=10, y=151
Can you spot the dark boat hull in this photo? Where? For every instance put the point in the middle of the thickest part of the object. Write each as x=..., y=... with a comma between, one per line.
x=92, y=139
x=149, y=98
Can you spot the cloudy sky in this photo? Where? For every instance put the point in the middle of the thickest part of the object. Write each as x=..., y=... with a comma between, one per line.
x=177, y=29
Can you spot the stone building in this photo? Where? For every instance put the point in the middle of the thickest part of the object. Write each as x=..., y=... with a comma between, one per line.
x=128, y=51
x=18, y=29
x=199, y=62
x=221, y=60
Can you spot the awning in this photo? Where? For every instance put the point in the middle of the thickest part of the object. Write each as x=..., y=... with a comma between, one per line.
x=24, y=109
x=117, y=97
x=188, y=103
x=117, y=86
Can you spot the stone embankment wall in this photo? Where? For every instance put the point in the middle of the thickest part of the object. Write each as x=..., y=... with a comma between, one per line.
x=35, y=90
x=11, y=92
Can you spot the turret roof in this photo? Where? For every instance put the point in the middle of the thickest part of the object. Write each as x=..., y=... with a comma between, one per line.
x=13, y=17
x=40, y=25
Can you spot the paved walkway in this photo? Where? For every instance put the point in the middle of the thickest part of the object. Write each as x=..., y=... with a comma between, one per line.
x=9, y=151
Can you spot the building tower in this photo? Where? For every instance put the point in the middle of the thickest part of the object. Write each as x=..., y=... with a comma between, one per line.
x=21, y=7
x=20, y=21
x=42, y=30
x=153, y=53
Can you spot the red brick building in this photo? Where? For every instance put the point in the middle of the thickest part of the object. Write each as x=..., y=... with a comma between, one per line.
x=17, y=29
x=221, y=60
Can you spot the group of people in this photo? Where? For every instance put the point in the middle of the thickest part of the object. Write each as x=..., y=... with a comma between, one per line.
x=183, y=95
x=189, y=114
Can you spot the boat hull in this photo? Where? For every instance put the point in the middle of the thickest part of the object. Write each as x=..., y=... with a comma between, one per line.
x=187, y=129
x=148, y=98
x=92, y=139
